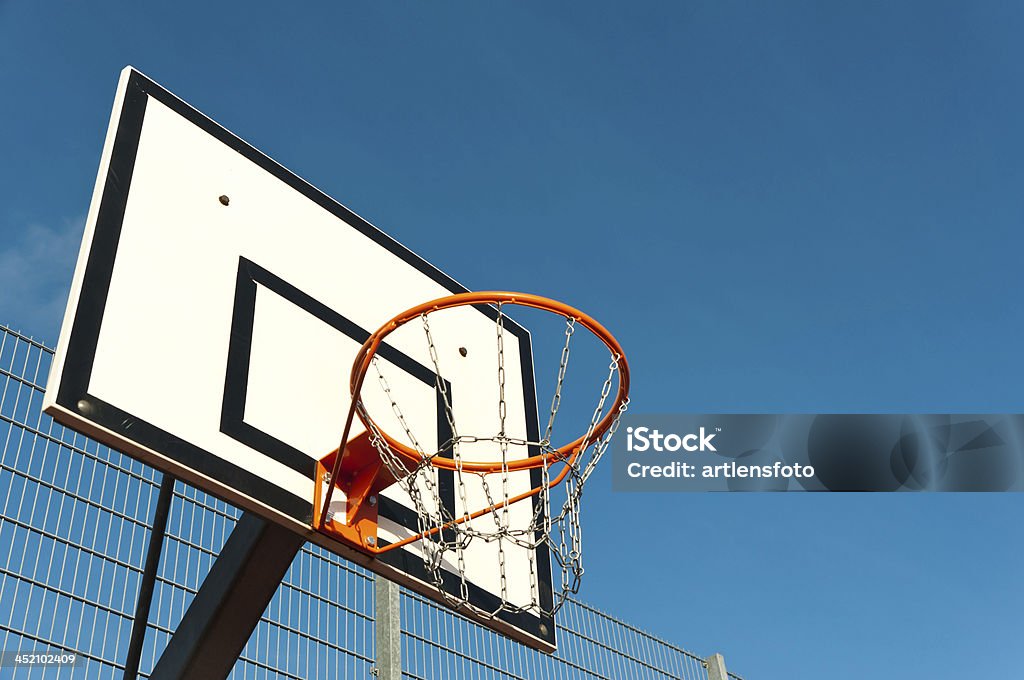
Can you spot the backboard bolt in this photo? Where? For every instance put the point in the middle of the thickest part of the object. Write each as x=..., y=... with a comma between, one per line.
x=373, y=500
x=84, y=406
x=370, y=540
x=327, y=478
x=463, y=351
x=224, y=200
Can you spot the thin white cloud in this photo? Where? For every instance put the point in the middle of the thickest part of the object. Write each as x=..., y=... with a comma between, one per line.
x=36, y=266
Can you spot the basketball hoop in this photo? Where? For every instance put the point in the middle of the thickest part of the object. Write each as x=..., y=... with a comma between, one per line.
x=365, y=465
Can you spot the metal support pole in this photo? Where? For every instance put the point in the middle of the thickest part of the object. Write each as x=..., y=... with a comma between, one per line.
x=230, y=602
x=387, y=622
x=716, y=667
x=146, y=587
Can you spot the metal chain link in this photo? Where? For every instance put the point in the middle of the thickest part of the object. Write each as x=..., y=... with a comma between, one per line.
x=563, y=364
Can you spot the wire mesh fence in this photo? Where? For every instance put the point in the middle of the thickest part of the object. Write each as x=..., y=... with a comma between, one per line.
x=437, y=643
x=74, y=526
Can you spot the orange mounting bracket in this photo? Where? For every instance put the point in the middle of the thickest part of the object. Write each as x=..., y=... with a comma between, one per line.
x=361, y=477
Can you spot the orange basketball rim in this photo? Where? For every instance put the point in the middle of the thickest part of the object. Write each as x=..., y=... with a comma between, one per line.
x=361, y=474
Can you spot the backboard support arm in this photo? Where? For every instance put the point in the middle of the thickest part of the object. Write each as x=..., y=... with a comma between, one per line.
x=222, y=616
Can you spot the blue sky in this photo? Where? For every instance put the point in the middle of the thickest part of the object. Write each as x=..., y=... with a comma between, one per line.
x=778, y=207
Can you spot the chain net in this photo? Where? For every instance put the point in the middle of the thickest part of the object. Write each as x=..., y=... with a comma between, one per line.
x=554, y=521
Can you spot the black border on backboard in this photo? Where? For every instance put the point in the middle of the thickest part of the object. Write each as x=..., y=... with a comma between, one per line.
x=72, y=395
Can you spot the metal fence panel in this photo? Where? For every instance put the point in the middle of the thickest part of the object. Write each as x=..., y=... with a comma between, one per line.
x=74, y=524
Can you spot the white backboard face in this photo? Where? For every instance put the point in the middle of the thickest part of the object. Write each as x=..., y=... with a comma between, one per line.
x=213, y=338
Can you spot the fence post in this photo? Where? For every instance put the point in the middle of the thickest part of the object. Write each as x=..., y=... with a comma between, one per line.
x=387, y=623
x=148, y=583
x=716, y=667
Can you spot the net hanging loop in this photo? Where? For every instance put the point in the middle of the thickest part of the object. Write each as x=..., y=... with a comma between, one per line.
x=367, y=464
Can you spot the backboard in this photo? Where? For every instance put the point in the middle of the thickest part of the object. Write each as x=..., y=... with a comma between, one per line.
x=216, y=308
